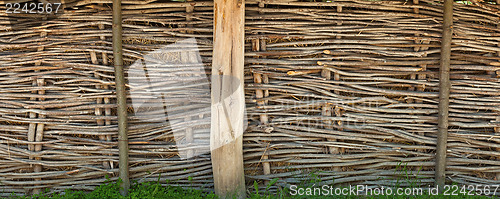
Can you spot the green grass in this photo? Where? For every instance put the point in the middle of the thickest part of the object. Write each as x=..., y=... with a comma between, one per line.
x=311, y=183
x=155, y=190
x=136, y=191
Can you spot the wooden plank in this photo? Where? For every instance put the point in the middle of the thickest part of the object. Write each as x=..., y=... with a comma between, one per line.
x=228, y=100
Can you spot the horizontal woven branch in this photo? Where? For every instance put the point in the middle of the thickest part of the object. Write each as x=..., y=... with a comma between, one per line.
x=350, y=90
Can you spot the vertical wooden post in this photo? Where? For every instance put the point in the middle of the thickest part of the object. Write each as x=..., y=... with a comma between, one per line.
x=99, y=111
x=327, y=110
x=497, y=129
x=190, y=58
x=337, y=110
x=35, y=131
x=107, y=111
x=417, y=41
x=444, y=94
x=260, y=45
x=228, y=100
x=121, y=97
x=189, y=17
x=422, y=76
x=259, y=93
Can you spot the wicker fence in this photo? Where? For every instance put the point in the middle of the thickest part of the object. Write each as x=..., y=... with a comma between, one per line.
x=347, y=90
x=351, y=88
